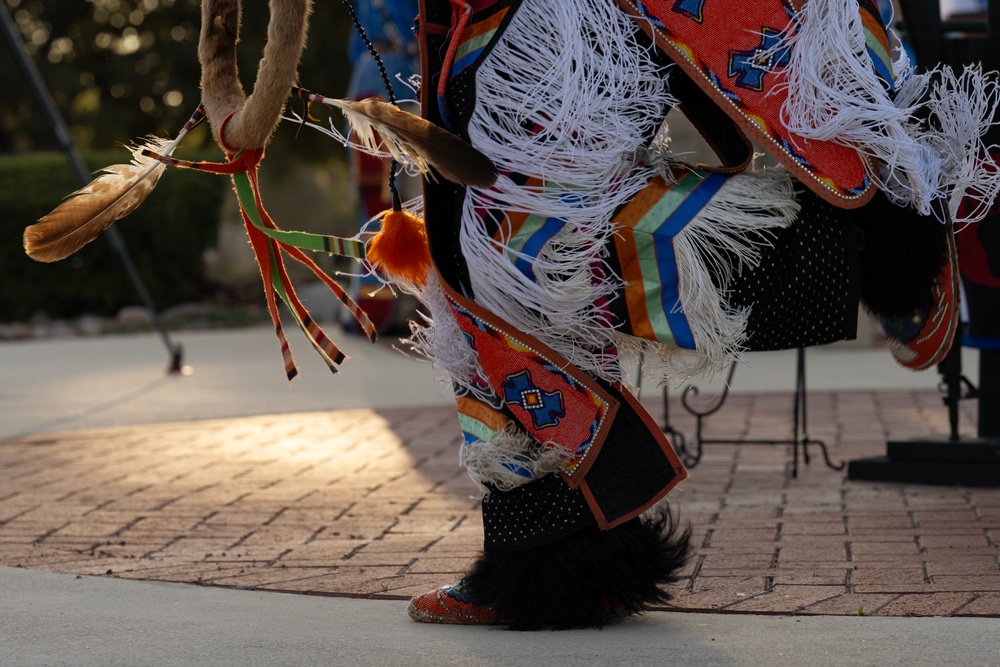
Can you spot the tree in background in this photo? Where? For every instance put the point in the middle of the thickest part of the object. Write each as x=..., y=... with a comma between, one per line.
x=121, y=69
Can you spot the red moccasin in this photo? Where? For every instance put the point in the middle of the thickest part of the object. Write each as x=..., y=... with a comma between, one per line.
x=451, y=605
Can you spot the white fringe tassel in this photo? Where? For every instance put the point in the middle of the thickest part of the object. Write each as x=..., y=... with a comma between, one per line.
x=440, y=340
x=736, y=223
x=575, y=69
x=962, y=109
x=495, y=462
x=834, y=95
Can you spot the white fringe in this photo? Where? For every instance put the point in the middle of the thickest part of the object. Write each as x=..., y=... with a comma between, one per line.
x=963, y=108
x=834, y=95
x=493, y=462
x=734, y=224
x=667, y=366
x=440, y=340
x=574, y=68
x=738, y=221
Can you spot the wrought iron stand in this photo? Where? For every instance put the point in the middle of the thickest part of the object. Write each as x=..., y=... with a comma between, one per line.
x=799, y=441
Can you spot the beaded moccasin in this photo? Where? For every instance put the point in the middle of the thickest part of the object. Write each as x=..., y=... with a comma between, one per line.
x=451, y=605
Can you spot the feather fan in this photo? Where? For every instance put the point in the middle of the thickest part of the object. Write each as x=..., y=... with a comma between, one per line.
x=421, y=141
x=89, y=211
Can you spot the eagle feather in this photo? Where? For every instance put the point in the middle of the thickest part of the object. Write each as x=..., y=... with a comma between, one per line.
x=90, y=210
x=423, y=142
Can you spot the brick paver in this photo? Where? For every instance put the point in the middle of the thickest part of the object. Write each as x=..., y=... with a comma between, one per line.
x=373, y=503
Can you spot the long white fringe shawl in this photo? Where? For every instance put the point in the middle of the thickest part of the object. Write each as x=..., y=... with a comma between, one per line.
x=834, y=95
x=734, y=225
x=574, y=69
x=738, y=221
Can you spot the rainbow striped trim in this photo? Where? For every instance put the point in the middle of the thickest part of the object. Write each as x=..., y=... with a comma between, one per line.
x=877, y=42
x=481, y=423
x=525, y=235
x=644, y=244
x=482, y=28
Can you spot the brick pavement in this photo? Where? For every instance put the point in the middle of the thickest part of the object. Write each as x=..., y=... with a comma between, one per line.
x=373, y=503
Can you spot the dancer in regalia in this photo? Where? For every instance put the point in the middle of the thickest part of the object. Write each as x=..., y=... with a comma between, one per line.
x=597, y=240
x=559, y=234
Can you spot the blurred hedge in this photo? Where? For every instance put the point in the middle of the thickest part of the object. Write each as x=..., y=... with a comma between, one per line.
x=166, y=238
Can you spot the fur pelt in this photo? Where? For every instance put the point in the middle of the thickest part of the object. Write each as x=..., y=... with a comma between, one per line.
x=255, y=117
x=586, y=579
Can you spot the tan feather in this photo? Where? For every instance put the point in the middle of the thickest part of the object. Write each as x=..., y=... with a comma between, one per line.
x=90, y=210
x=423, y=142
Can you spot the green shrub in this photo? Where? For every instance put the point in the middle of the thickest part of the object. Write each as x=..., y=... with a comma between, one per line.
x=166, y=238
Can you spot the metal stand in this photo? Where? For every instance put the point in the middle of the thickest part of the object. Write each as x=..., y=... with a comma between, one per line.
x=949, y=460
x=800, y=425
x=55, y=119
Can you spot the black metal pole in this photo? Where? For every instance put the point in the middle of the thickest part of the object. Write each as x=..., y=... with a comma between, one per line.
x=41, y=93
x=950, y=370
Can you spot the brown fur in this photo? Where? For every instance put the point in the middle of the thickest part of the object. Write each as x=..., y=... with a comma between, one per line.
x=255, y=117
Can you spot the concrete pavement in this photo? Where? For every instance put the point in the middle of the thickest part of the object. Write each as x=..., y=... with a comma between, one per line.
x=349, y=486
x=65, y=384
x=120, y=379
x=134, y=624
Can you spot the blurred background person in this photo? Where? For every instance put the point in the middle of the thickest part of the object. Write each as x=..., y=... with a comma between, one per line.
x=389, y=26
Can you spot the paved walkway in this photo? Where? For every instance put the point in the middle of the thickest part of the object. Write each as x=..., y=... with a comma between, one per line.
x=371, y=503
x=50, y=619
x=344, y=491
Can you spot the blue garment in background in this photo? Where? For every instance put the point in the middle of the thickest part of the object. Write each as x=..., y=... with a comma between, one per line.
x=389, y=25
x=385, y=22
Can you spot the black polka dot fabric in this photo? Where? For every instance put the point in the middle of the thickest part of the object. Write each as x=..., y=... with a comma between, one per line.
x=805, y=290
x=533, y=515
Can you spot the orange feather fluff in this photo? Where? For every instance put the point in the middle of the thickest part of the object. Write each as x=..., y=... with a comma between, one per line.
x=400, y=248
